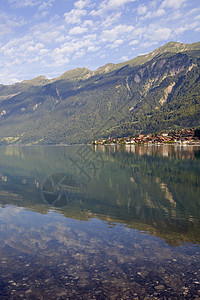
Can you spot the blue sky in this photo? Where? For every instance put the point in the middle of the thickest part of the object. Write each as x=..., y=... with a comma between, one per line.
x=49, y=37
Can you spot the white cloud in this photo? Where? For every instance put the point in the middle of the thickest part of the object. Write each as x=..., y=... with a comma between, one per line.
x=134, y=42
x=116, y=44
x=160, y=34
x=46, y=4
x=77, y=30
x=93, y=48
x=180, y=30
x=49, y=36
x=175, y=15
x=108, y=5
x=191, y=26
x=139, y=31
x=88, y=23
x=147, y=45
x=48, y=32
x=21, y=52
x=175, y=4
x=75, y=16
x=112, y=34
x=193, y=11
x=142, y=9
x=81, y=4
x=43, y=52
x=113, y=4
x=79, y=54
x=153, y=33
x=111, y=19
x=35, y=47
x=124, y=58
x=8, y=78
x=60, y=61
x=9, y=23
x=24, y=3
x=74, y=49
x=154, y=14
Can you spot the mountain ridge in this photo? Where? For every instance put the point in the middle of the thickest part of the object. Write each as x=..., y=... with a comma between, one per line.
x=140, y=95
x=171, y=46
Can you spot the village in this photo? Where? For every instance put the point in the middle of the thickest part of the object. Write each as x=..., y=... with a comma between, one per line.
x=183, y=137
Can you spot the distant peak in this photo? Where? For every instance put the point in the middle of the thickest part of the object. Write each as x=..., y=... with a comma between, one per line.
x=76, y=74
x=106, y=68
x=39, y=80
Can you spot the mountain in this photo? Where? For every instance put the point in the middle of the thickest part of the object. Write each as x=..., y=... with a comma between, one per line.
x=151, y=92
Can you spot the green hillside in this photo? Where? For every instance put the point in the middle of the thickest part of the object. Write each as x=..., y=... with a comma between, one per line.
x=152, y=92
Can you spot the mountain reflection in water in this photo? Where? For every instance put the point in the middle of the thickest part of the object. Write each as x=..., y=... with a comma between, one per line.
x=151, y=188
x=135, y=209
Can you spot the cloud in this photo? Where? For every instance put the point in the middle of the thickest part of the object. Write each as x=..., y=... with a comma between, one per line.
x=81, y=4
x=79, y=54
x=116, y=44
x=186, y=27
x=9, y=23
x=154, y=14
x=124, y=58
x=153, y=33
x=93, y=49
x=160, y=34
x=45, y=5
x=49, y=36
x=108, y=5
x=42, y=6
x=134, y=42
x=8, y=78
x=75, y=16
x=147, y=45
x=113, y=4
x=73, y=49
x=88, y=23
x=139, y=31
x=193, y=11
x=77, y=13
x=111, y=19
x=47, y=32
x=24, y=3
x=43, y=52
x=35, y=47
x=114, y=33
x=77, y=30
x=20, y=48
x=141, y=9
x=175, y=4
x=22, y=52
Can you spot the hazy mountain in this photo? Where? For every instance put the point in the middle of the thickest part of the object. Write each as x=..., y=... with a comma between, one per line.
x=159, y=90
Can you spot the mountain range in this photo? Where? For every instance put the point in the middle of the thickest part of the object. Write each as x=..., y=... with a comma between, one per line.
x=152, y=92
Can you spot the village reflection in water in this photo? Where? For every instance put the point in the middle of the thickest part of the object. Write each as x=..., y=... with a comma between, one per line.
x=100, y=222
x=178, y=151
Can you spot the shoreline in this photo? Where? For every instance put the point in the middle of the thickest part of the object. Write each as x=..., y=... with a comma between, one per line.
x=149, y=144
x=132, y=144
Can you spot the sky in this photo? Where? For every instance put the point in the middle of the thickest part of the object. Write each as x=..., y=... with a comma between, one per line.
x=49, y=37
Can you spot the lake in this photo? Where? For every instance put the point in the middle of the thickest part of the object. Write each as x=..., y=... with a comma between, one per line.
x=100, y=222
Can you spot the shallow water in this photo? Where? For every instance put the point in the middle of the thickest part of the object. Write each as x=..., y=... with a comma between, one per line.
x=107, y=222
